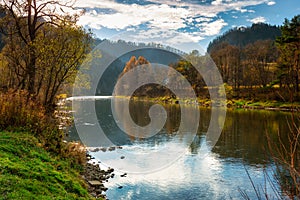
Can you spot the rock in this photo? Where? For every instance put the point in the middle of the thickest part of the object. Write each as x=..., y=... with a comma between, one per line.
x=111, y=148
x=95, y=150
x=110, y=170
x=95, y=183
x=103, y=149
x=95, y=177
x=94, y=194
x=98, y=191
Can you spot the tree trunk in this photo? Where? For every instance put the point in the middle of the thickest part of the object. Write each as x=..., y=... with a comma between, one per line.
x=31, y=70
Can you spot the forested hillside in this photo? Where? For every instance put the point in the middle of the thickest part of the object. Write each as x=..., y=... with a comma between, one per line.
x=241, y=36
x=261, y=61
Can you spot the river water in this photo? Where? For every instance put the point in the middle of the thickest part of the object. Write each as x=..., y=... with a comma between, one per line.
x=193, y=172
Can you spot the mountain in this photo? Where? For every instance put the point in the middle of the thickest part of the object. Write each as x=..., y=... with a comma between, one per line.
x=241, y=36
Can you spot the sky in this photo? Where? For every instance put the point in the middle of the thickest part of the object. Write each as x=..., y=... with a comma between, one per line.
x=179, y=21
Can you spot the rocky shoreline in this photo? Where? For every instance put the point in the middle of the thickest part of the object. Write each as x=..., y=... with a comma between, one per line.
x=95, y=177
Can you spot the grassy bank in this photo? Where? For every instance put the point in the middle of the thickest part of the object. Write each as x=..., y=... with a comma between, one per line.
x=231, y=103
x=27, y=171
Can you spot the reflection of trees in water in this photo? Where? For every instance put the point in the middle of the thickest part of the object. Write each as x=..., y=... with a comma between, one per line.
x=205, y=115
x=139, y=112
x=244, y=134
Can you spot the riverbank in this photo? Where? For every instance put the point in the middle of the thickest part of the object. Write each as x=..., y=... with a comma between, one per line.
x=27, y=171
x=230, y=103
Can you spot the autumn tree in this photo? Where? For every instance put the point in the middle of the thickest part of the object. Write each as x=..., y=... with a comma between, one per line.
x=227, y=58
x=43, y=45
x=289, y=48
x=258, y=59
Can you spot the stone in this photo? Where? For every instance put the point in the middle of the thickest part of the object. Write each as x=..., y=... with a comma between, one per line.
x=95, y=183
x=111, y=148
x=110, y=170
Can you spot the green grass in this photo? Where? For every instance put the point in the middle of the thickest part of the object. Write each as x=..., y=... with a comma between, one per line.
x=27, y=171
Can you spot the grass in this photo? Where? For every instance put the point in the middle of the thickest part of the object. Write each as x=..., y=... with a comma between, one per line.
x=264, y=104
x=231, y=103
x=27, y=171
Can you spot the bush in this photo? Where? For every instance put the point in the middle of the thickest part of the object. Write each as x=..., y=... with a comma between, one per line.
x=75, y=152
x=20, y=112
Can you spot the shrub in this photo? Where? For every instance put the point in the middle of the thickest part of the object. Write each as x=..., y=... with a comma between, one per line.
x=75, y=152
x=20, y=112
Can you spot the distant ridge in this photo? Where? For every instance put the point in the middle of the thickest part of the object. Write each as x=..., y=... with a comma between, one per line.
x=241, y=36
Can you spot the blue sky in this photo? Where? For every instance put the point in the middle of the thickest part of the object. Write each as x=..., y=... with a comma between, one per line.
x=179, y=21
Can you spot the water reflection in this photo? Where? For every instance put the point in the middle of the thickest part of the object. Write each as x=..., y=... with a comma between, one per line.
x=244, y=134
x=199, y=173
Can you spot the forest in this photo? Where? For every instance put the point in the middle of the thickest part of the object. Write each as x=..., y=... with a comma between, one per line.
x=263, y=60
x=257, y=63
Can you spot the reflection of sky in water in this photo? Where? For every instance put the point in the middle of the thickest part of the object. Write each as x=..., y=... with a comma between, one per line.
x=145, y=156
x=199, y=173
x=190, y=177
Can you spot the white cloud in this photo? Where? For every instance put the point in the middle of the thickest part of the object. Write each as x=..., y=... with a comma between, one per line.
x=271, y=3
x=184, y=41
x=243, y=10
x=212, y=28
x=216, y=2
x=257, y=20
x=163, y=16
x=134, y=15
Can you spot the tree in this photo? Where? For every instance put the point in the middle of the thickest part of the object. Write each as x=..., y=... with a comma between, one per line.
x=44, y=46
x=258, y=57
x=227, y=58
x=61, y=51
x=289, y=48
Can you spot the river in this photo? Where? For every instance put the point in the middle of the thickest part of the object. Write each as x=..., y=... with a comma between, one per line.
x=178, y=168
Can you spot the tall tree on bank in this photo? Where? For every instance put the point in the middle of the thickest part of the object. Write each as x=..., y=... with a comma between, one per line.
x=289, y=48
x=228, y=60
x=44, y=46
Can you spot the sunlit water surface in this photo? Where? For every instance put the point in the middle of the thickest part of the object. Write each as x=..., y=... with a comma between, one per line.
x=197, y=173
